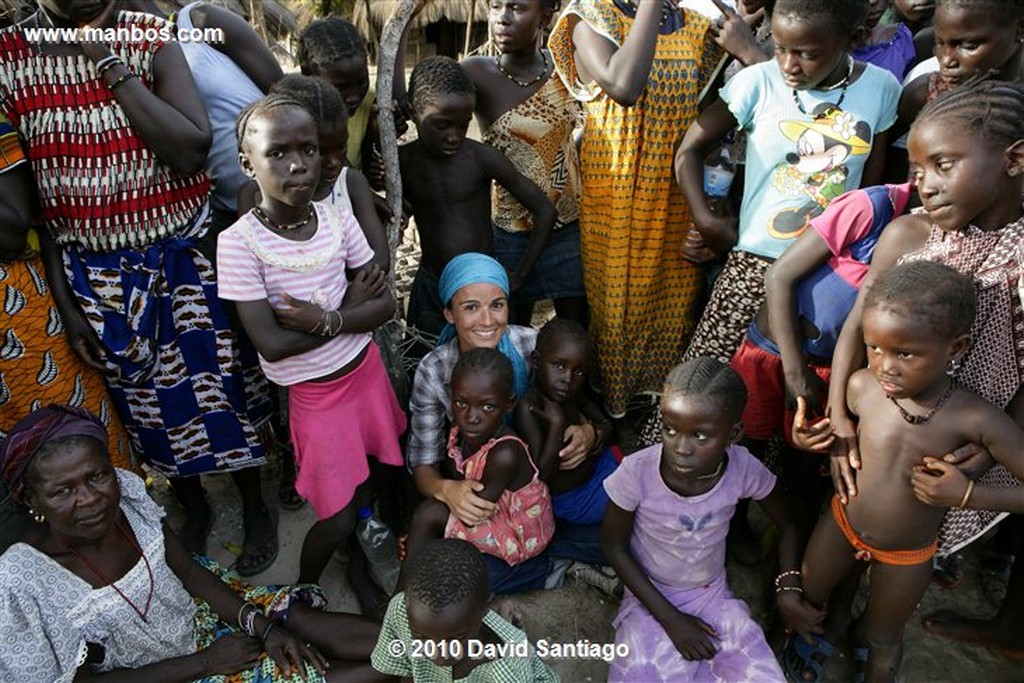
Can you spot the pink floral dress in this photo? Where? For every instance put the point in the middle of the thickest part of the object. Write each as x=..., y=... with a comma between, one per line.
x=524, y=522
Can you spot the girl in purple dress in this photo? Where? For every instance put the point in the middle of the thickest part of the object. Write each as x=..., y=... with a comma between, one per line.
x=664, y=532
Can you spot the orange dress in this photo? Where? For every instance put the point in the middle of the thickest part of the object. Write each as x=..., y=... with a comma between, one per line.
x=524, y=522
x=643, y=295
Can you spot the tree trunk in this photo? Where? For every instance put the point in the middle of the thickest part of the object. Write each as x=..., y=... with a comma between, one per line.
x=258, y=20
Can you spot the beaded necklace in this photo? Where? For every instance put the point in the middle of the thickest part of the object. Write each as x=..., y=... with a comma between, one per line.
x=923, y=419
x=110, y=582
x=262, y=215
x=524, y=84
x=832, y=108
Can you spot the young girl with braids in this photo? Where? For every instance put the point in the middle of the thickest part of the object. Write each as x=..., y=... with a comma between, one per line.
x=967, y=157
x=307, y=293
x=664, y=532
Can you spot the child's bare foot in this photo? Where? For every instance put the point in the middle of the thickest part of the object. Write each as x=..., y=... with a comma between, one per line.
x=1002, y=638
x=507, y=610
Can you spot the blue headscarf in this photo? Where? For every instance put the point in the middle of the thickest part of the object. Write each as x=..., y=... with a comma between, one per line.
x=472, y=269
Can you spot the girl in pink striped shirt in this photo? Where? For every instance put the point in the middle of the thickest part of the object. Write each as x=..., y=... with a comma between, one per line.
x=308, y=295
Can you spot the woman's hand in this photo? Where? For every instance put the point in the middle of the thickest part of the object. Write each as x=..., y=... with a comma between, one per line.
x=82, y=338
x=799, y=615
x=286, y=649
x=735, y=34
x=581, y=441
x=691, y=636
x=695, y=251
x=298, y=315
x=230, y=654
x=98, y=50
x=369, y=283
x=719, y=233
x=939, y=483
x=461, y=498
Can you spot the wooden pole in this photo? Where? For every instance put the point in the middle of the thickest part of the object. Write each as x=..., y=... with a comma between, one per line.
x=469, y=29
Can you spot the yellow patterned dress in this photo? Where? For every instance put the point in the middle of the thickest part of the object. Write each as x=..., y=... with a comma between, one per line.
x=643, y=295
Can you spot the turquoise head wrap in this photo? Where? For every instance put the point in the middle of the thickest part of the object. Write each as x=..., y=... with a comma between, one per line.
x=471, y=269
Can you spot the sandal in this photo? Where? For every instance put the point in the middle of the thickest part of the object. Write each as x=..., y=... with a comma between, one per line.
x=257, y=557
x=801, y=658
x=948, y=571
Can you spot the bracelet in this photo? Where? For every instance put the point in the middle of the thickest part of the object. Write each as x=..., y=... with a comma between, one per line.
x=107, y=62
x=967, y=494
x=266, y=631
x=241, y=610
x=783, y=589
x=127, y=76
x=250, y=622
x=780, y=577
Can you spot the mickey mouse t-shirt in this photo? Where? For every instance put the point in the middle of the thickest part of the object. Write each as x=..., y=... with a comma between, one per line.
x=804, y=149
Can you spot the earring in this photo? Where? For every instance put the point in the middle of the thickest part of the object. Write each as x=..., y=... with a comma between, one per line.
x=953, y=369
x=38, y=516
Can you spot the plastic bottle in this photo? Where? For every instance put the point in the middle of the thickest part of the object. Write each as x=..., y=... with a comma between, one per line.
x=719, y=172
x=381, y=549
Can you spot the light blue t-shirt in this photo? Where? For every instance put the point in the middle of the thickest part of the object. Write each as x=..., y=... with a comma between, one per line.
x=797, y=163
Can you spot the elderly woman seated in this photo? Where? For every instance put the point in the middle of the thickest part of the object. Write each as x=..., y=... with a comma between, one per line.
x=101, y=587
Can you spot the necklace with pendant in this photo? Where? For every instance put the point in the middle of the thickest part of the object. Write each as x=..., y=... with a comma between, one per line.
x=262, y=215
x=842, y=83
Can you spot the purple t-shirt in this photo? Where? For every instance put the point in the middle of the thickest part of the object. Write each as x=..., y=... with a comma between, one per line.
x=680, y=540
x=894, y=55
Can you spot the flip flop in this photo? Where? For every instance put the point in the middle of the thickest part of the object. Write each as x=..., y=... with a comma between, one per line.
x=948, y=571
x=267, y=550
x=800, y=658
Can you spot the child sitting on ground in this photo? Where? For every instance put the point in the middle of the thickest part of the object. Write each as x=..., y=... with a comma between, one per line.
x=442, y=614
x=916, y=323
x=309, y=297
x=482, y=448
x=665, y=530
x=447, y=181
x=555, y=400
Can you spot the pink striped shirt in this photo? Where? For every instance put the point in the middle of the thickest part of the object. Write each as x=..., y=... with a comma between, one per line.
x=254, y=263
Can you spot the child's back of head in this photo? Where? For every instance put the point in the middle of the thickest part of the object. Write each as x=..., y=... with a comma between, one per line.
x=445, y=576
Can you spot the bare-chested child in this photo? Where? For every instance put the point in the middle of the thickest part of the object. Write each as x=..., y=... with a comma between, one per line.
x=916, y=323
x=447, y=182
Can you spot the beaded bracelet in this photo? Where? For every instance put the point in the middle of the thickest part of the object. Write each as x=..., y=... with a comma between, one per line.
x=783, y=589
x=127, y=76
x=108, y=62
x=780, y=577
x=250, y=622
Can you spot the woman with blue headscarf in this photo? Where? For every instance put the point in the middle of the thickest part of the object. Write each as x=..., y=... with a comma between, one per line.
x=474, y=288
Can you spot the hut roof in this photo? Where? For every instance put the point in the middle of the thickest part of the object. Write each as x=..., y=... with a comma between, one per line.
x=381, y=10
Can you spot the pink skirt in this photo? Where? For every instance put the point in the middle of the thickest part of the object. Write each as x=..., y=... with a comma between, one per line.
x=335, y=425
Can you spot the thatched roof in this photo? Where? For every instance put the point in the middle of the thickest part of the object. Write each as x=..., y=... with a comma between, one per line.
x=381, y=11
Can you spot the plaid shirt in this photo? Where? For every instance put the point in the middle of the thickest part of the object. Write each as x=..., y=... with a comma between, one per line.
x=395, y=629
x=430, y=404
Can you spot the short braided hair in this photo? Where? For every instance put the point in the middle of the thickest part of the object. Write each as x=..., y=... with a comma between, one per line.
x=327, y=41
x=434, y=77
x=706, y=376
x=990, y=109
x=445, y=573
x=561, y=328
x=846, y=16
x=320, y=98
x=263, y=107
x=490, y=361
x=939, y=298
